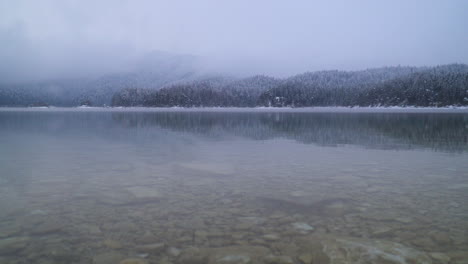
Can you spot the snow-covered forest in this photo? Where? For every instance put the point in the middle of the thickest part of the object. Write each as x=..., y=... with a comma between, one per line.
x=389, y=86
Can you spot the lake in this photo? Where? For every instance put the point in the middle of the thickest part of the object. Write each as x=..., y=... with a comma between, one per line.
x=233, y=186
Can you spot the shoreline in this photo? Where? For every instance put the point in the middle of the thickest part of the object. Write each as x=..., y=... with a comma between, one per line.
x=321, y=109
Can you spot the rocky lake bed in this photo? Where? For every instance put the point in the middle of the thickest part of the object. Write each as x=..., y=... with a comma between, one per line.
x=176, y=197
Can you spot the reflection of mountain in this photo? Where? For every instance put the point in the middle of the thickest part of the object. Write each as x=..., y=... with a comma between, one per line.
x=441, y=132
x=446, y=132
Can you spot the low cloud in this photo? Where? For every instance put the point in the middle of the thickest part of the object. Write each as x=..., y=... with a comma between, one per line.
x=67, y=39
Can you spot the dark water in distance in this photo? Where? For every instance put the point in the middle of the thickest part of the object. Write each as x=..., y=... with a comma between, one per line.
x=233, y=187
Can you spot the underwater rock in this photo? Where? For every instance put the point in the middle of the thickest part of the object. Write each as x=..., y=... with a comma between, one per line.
x=336, y=207
x=193, y=255
x=147, y=238
x=88, y=229
x=142, y=255
x=208, y=168
x=440, y=257
x=249, y=222
x=226, y=255
x=333, y=207
x=133, y=261
x=405, y=220
x=458, y=257
x=112, y=244
x=152, y=248
x=10, y=229
x=381, y=231
x=60, y=253
x=441, y=238
x=13, y=244
x=303, y=227
x=356, y=250
x=423, y=242
x=47, y=228
x=328, y=249
x=144, y=192
x=278, y=260
x=234, y=259
x=200, y=236
x=311, y=251
x=115, y=198
x=298, y=194
x=306, y=258
x=271, y=237
x=38, y=212
x=107, y=258
x=174, y=252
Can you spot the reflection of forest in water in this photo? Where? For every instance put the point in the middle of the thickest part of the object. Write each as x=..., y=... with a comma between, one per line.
x=436, y=131
x=446, y=132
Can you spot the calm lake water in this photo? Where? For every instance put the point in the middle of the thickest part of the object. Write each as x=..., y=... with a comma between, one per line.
x=168, y=186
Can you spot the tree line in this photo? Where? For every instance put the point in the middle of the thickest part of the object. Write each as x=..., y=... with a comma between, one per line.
x=388, y=86
x=391, y=86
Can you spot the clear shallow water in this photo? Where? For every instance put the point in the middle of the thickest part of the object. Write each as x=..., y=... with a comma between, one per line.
x=91, y=186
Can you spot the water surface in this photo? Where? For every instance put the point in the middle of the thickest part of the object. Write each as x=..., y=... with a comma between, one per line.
x=93, y=186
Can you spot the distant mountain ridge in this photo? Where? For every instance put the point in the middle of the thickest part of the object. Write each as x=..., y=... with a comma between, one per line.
x=389, y=86
x=151, y=71
x=165, y=80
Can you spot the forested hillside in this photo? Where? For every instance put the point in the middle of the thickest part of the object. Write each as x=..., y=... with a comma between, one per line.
x=390, y=86
x=175, y=86
x=210, y=92
x=438, y=86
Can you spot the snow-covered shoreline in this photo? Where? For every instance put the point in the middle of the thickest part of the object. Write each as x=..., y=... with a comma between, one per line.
x=338, y=109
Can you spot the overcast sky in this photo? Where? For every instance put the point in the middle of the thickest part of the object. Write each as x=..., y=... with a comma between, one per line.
x=61, y=38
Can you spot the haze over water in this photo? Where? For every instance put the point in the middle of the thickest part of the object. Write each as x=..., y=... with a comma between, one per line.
x=251, y=186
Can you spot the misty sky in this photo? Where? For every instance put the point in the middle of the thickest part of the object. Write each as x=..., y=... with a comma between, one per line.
x=60, y=38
